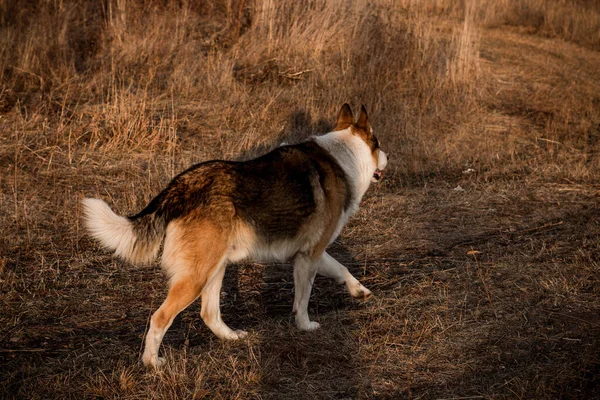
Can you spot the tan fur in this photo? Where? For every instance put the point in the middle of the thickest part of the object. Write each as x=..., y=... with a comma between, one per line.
x=194, y=253
x=242, y=242
x=193, y=248
x=181, y=294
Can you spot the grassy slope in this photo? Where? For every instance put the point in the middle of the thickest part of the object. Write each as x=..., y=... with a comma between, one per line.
x=488, y=291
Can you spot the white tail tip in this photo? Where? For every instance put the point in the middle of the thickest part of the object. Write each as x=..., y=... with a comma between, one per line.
x=111, y=230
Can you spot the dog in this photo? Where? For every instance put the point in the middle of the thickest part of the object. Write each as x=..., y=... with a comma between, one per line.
x=288, y=204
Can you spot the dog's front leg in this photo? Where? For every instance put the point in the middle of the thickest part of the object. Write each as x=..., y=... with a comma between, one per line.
x=305, y=270
x=329, y=266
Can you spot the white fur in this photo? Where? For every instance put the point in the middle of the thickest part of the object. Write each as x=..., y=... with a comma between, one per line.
x=382, y=161
x=330, y=267
x=245, y=246
x=211, y=309
x=280, y=250
x=111, y=230
x=354, y=157
x=171, y=262
x=304, y=276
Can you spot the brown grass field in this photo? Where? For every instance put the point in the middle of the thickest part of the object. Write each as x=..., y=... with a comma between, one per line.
x=481, y=245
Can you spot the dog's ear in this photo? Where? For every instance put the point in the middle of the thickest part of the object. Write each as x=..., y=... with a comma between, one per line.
x=345, y=117
x=363, y=120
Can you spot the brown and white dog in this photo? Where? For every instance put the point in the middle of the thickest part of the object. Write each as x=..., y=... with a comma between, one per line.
x=289, y=204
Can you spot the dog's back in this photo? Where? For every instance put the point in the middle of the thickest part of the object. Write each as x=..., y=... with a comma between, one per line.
x=274, y=197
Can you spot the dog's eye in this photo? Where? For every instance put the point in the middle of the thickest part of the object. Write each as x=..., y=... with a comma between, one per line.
x=375, y=143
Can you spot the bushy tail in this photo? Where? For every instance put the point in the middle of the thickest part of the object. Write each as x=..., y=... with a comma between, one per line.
x=136, y=239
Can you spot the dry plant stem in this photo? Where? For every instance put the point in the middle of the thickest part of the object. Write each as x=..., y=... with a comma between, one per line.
x=482, y=279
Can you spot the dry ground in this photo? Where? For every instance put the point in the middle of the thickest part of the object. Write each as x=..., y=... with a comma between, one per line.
x=481, y=245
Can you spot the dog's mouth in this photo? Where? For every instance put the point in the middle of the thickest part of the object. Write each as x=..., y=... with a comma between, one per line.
x=377, y=175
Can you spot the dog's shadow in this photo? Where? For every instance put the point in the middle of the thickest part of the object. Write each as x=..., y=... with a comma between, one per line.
x=259, y=298
x=255, y=292
x=302, y=127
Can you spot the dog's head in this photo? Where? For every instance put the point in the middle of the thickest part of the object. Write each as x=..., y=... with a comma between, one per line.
x=362, y=128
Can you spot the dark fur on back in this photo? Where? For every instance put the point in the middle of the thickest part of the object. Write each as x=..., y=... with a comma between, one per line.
x=273, y=192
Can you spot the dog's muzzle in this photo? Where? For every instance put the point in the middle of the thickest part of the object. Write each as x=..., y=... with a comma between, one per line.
x=382, y=160
x=377, y=175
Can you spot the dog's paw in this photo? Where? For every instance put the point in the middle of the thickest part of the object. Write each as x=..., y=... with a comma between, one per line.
x=310, y=326
x=153, y=362
x=237, y=334
x=360, y=292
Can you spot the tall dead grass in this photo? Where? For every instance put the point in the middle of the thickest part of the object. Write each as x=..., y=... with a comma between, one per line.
x=576, y=21
x=136, y=74
x=235, y=78
x=572, y=20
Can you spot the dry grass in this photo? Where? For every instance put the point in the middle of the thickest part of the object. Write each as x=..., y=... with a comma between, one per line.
x=576, y=21
x=481, y=244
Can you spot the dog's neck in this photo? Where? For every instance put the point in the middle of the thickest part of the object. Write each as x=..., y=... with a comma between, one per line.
x=354, y=157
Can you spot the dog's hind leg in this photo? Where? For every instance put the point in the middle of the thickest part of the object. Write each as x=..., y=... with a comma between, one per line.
x=181, y=294
x=305, y=270
x=194, y=255
x=330, y=267
x=211, y=308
